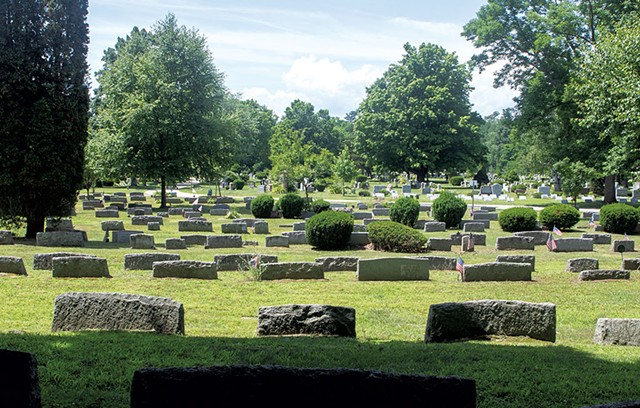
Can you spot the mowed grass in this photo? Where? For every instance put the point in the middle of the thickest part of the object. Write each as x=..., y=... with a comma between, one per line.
x=94, y=369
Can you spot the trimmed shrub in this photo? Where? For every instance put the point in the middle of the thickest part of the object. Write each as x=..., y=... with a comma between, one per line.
x=335, y=189
x=320, y=185
x=448, y=209
x=291, y=205
x=329, y=230
x=405, y=211
x=262, y=205
x=361, y=178
x=238, y=184
x=563, y=216
x=364, y=193
x=319, y=206
x=456, y=180
x=395, y=237
x=619, y=218
x=519, y=188
x=518, y=219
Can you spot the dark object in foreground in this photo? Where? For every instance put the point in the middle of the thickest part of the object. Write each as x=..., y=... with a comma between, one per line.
x=19, y=387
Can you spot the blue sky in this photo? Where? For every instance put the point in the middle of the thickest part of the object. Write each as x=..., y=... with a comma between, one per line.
x=324, y=52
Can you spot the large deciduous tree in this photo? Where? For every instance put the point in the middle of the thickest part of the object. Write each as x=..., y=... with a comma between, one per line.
x=43, y=109
x=160, y=96
x=418, y=118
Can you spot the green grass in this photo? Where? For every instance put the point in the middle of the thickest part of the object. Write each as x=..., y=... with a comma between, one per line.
x=94, y=369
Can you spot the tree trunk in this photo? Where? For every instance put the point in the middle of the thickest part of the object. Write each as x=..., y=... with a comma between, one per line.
x=421, y=174
x=163, y=192
x=34, y=225
x=609, y=189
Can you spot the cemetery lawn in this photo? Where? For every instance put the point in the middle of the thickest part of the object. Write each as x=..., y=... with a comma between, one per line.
x=93, y=368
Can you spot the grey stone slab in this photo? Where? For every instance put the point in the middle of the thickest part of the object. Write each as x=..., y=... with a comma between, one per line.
x=359, y=239
x=223, y=241
x=225, y=200
x=45, y=261
x=434, y=226
x=514, y=242
x=439, y=244
x=6, y=237
x=530, y=259
x=176, y=211
x=442, y=263
x=261, y=227
x=292, y=270
x=485, y=216
x=175, y=243
x=601, y=274
x=58, y=224
x=339, y=263
x=574, y=245
x=598, y=239
x=19, y=385
x=60, y=239
x=76, y=311
x=145, y=219
x=142, y=241
x=116, y=225
x=13, y=265
x=479, y=318
x=317, y=320
x=194, y=239
x=478, y=238
x=627, y=244
x=486, y=223
x=80, y=267
x=123, y=237
x=219, y=212
x=277, y=241
x=195, y=226
x=623, y=332
x=473, y=227
x=359, y=228
x=299, y=226
x=144, y=261
x=227, y=386
x=497, y=272
x=249, y=221
x=380, y=212
x=361, y=215
x=581, y=264
x=392, y=269
x=153, y=226
x=185, y=269
x=632, y=264
x=192, y=214
x=234, y=228
x=296, y=237
x=238, y=262
x=539, y=237
x=368, y=221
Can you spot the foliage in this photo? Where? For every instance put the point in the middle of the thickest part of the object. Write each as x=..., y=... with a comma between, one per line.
x=518, y=219
x=364, y=193
x=329, y=230
x=291, y=205
x=44, y=105
x=344, y=169
x=574, y=177
x=456, y=180
x=619, y=218
x=361, y=178
x=418, y=117
x=320, y=185
x=318, y=206
x=289, y=157
x=449, y=209
x=336, y=189
x=395, y=237
x=238, y=184
x=405, y=211
x=563, y=216
x=262, y=205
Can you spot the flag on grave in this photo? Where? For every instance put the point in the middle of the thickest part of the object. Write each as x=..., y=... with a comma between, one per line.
x=557, y=231
x=551, y=243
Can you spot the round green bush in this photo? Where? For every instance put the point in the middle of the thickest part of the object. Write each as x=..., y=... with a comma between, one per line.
x=518, y=219
x=238, y=184
x=364, y=193
x=361, y=178
x=329, y=230
x=335, y=189
x=619, y=218
x=319, y=206
x=395, y=237
x=291, y=205
x=456, y=180
x=563, y=216
x=448, y=209
x=320, y=185
x=261, y=206
x=405, y=211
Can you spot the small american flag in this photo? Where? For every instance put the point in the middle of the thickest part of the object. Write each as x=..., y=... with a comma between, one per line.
x=459, y=264
x=592, y=223
x=626, y=237
x=557, y=231
x=551, y=243
x=472, y=243
x=255, y=261
x=200, y=208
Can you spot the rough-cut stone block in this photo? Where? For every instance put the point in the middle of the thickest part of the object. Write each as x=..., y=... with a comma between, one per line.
x=185, y=269
x=219, y=212
x=539, y=237
x=361, y=215
x=479, y=318
x=140, y=211
x=359, y=228
x=497, y=271
x=439, y=244
x=107, y=213
x=249, y=221
x=145, y=219
x=602, y=274
x=195, y=226
x=227, y=386
x=292, y=270
x=142, y=241
x=12, y=264
x=339, y=263
x=485, y=216
x=224, y=200
x=238, y=262
x=359, y=239
x=192, y=214
x=319, y=320
x=60, y=239
x=380, y=212
x=145, y=261
x=6, y=237
x=45, y=261
x=153, y=226
x=574, y=245
x=77, y=311
x=441, y=263
x=19, y=386
x=223, y=241
x=632, y=264
x=486, y=223
x=598, y=239
x=473, y=227
x=234, y=228
x=514, y=242
x=628, y=245
x=392, y=269
x=123, y=237
x=176, y=211
x=623, y=332
x=530, y=259
x=261, y=227
x=434, y=226
x=296, y=237
x=194, y=239
x=479, y=239
x=80, y=267
x=112, y=225
x=299, y=226
x=277, y=241
x=58, y=224
x=175, y=243
x=581, y=264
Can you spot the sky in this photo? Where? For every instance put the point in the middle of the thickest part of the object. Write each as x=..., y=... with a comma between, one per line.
x=323, y=52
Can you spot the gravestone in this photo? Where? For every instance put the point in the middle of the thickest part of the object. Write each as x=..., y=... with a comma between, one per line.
x=338, y=263
x=631, y=264
x=176, y=211
x=194, y=239
x=601, y=274
x=539, y=237
x=145, y=219
x=359, y=239
x=219, y=212
x=192, y=214
x=380, y=212
x=299, y=226
x=546, y=190
x=142, y=241
x=239, y=262
x=195, y=226
x=478, y=216
x=598, y=239
x=185, y=270
x=112, y=225
x=441, y=263
x=19, y=385
x=45, y=261
x=530, y=259
x=622, y=192
x=292, y=270
x=223, y=241
x=79, y=267
x=277, y=241
x=379, y=189
x=439, y=244
x=317, y=320
x=406, y=189
x=478, y=239
x=485, y=223
x=392, y=269
x=76, y=311
x=485, y=190
x=624, y=245
x=233, y=228
x=497, y=272
x=13, y=265
x=479, y=318
x=581, y=264
x=362, y=215
x=60, y=238
x=153, y=226
x=249, y=221
x=59, y=224
x=573, y=245
x=123, y=237
x=144, y=261
x=623, y=332
x=434, y=226
x=473, y=227
x=261, y=227
x=514, y=242
x=175, y=243
x=6, y=237
x=496, y=189
x=296, y=237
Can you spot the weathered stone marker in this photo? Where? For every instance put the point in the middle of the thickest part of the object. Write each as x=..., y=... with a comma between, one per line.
x=624, y=332
x=530, y=259
x=514, y=242
x=600, y=274
x=77, y=311
x=19, y=386
x=145, y=261
x=185, y=269
x=292, y=270
x=581, y=264
x=392, y=269
x=479, y=318
x=321, y=320
x=13, y=265
x=79, y=267
x=237, y=262
x=44, y=261
x=497, y=271
x=339, y=263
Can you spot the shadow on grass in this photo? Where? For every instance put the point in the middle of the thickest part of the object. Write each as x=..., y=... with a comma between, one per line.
x=95, y=368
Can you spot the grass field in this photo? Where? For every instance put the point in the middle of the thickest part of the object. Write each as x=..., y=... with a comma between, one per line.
x=94, y=369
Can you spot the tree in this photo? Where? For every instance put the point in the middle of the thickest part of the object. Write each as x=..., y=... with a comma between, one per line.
x=574, y=177
x=289, y=157
x=161, y=98
x=43, y=109
x=344, y=168
x=417, y=117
